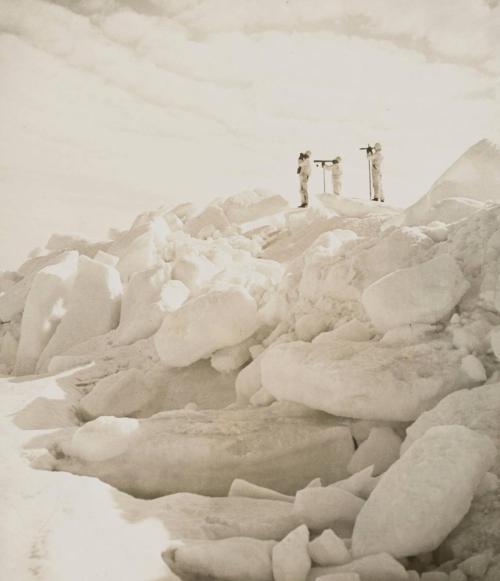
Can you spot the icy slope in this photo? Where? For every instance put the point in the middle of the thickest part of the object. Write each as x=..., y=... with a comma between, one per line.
x=252, y=369
x=474, y=176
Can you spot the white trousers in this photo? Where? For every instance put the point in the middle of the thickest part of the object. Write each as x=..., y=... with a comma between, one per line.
x=378, y=192
x=304, y=196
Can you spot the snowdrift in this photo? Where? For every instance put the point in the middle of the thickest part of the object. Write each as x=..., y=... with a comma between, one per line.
x=247, y=387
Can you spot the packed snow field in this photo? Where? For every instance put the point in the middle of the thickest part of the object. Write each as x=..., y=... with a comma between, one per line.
x=251, y=392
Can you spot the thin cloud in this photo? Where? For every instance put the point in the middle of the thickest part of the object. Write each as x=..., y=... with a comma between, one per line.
x=454, y=31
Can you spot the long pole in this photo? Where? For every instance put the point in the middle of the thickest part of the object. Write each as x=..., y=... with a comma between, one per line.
x=368, y=151
x=369, y=175
x=324, y=182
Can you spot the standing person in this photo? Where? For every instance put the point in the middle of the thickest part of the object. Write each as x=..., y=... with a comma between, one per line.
x=304, y=171
x=376, y=158
x=336, y=169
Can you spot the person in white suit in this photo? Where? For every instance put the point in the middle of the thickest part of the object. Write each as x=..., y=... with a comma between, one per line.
x=304, y=171
x=336, y=169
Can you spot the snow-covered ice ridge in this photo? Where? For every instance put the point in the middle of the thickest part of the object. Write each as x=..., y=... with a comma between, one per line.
x=250, y=392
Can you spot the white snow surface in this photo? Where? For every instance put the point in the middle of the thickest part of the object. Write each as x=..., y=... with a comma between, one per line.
x=340, y=577
x=320, y=508
x=122, y=394
x=165, y=348
x=328, y=549
x=236, y=559
x=246, y=489
x=420, y=294
x=291, y=560
x=353, y=330
x=475, y=175
x=355, y=207
x=363, y=380
x=93, y=308
x=360, y=484
x=141, y=310
x=380, y=450
x=474, y=368
x=379, y=567
x=233, y=357
x=46, y=304
x=477, y=409
x=13, y=299
x=495, y=341
x=450, y=210
x=252, y=205
x=211, y=219
x=102, y=439
x=425, y=494
x=280, y=447
x=194, y=271
x=174, y=294
x=248, y=382
x=206, y=324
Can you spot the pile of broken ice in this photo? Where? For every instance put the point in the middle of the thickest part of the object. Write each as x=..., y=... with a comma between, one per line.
x=337, y=373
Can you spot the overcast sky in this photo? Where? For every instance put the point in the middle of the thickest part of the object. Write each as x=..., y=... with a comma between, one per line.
x=110, y=106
